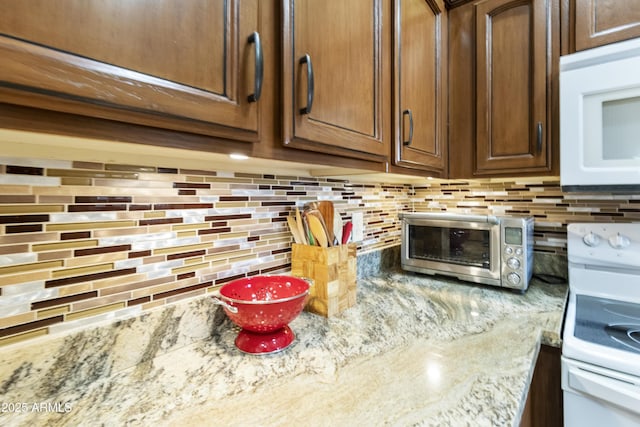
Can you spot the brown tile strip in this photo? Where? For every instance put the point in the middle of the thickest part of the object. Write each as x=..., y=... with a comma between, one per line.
x=168, y=170
x=138, y=301
x=25, y=170
x=74, y=236
x=139, y=254
x=103, y=199
x=101, y=250
x=17, y=219
x=170, y=206
x=186, y=255
x=63, y=300
x=190, y=185
x=234, y=198
x=226, y=217
x=96, y=208
x=33, y=228
x=88, y=277
x=181, y=290
x=160, y=221
x=13, y=330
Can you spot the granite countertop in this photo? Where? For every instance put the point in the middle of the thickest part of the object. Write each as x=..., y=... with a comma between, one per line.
x=413, y=351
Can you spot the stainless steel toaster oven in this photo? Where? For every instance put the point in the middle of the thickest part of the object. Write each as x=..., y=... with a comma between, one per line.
x=484, y=249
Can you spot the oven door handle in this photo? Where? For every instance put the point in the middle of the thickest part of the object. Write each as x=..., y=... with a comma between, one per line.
x=617, y=392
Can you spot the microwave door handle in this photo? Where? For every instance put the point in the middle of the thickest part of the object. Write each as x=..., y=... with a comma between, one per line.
x=539, y=137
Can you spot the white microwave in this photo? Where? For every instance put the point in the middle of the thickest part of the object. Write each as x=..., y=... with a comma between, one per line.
x=600, y=118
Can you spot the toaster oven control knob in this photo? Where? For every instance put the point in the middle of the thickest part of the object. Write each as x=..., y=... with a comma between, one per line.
x=513, y=278
x=513, y=263
x=619, y=241
x=508, y=250
x=591, y=239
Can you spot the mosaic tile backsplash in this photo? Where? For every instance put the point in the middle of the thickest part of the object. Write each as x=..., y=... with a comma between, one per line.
x=83, y=243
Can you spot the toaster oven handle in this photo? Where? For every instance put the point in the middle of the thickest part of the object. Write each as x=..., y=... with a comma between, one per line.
x=446, y=216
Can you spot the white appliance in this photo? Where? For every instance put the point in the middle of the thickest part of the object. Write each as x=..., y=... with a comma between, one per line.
x=600, y=118
x=601, y=338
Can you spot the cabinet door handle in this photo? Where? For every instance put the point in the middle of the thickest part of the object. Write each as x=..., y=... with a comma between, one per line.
x=539, y=138
x=307, y=59
x=259, y=74
x=410, y=140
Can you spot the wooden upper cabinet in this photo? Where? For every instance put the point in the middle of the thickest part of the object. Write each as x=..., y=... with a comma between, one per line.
x=335, y=77
x=420, y=84
x=600, y=22
x=185, y=65
x=513, y=61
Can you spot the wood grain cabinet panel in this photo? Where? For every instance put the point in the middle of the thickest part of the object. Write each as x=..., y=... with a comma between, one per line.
x=185, y=65
x=600, y=22
x=512, y=64
x=419, y=85
x=336, y=77
x=544, y=402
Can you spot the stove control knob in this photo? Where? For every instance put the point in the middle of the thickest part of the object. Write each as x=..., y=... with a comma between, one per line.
x=619, y=241
x=513, y=278
x=591, y=239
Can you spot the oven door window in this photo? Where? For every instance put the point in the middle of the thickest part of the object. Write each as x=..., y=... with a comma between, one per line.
x=462, y=246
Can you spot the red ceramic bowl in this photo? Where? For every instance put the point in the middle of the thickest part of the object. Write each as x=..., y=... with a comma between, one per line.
x=264, y=303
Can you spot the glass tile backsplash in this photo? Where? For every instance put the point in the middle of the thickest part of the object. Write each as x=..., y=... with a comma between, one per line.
x=82, y=243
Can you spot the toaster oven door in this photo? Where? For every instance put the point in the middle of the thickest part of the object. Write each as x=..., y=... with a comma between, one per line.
x=467, y=250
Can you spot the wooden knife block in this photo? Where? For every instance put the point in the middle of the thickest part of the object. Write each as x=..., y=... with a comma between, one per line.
x=333, y=271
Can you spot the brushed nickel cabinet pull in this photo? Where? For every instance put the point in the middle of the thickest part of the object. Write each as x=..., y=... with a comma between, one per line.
x=539, y=135
x=410, y=140
x=259, y=74
x=306, y=59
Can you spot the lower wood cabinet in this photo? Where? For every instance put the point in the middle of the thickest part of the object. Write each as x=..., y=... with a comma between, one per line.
x=544, y=402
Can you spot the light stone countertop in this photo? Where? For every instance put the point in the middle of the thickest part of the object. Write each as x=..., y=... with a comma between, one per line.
x=413, y=351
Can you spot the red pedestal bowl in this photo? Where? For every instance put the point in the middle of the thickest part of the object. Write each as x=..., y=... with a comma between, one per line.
x=263, y=306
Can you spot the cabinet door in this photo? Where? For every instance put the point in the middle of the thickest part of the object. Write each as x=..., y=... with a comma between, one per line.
x=419, y=84
x=187, y=65
x=334, y=80
x=600, y=22
x=512, y=65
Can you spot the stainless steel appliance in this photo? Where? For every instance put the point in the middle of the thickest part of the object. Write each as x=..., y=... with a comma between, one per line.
x=477, y=248
x=599, y=110
x=601, y=338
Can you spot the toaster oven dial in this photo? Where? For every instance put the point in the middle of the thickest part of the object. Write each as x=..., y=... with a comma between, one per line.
x=508, y=250
x=513, y=278
x=513, y=263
